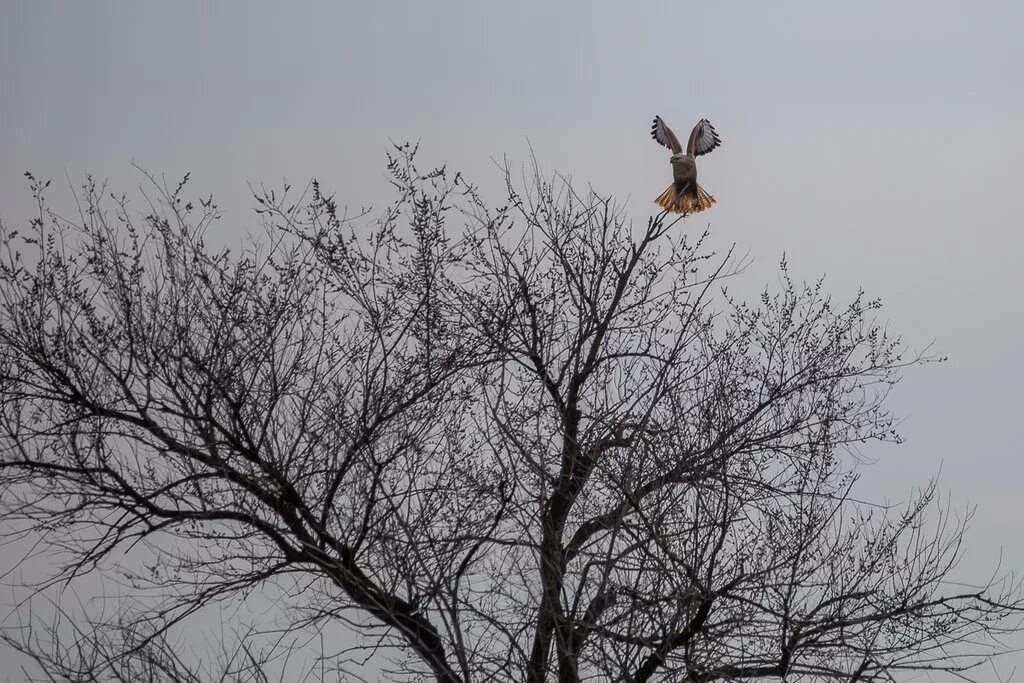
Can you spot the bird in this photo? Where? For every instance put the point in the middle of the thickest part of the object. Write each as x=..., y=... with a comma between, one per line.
x=684, y=195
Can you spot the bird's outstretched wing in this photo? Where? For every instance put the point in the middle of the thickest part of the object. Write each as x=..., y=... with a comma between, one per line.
x=664, y=135
x=703, y=139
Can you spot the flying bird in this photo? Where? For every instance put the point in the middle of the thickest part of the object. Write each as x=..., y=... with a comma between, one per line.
x=684, y=195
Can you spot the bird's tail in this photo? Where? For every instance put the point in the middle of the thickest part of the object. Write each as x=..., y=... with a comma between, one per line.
x=679, y=200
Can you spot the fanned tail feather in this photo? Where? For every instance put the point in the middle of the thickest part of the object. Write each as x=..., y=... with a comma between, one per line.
x=676, y=200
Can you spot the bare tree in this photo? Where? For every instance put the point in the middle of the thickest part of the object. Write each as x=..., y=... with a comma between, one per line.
x=534, y=443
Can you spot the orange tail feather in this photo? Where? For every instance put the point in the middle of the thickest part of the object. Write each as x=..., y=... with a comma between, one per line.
x=675, y=200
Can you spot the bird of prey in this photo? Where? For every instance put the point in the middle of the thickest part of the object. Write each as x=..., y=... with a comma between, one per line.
x=684, y=195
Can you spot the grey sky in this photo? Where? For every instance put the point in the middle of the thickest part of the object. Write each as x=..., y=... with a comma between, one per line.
x=875, y=142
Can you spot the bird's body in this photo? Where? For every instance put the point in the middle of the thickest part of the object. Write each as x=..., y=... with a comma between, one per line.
x=684, y=168
x=684, y=195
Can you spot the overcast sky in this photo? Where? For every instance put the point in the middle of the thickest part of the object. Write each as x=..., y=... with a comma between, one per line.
x=878, y=143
